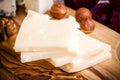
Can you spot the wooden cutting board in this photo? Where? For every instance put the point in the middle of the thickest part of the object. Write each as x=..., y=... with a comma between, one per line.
x=107, y=70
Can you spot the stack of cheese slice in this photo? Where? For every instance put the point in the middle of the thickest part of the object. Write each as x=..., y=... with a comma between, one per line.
x=89, y=52
x=40, y=37
x=59, y=42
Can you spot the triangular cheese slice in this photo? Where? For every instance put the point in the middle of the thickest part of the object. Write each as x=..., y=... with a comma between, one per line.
x=87, y=48
x=40, y=35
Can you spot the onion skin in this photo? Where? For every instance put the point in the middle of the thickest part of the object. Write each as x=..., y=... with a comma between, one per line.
x=58, y=10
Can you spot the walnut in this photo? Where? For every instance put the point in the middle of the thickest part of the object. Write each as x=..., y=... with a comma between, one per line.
x=7, y=28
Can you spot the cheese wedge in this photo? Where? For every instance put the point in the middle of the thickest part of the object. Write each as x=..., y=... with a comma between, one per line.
x=86, y=48
x=78, y=64
x=40, y=6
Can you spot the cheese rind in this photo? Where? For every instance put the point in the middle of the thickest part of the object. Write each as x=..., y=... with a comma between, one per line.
x=40, y=6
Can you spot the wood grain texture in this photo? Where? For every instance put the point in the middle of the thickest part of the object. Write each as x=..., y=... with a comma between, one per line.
x=107, y=70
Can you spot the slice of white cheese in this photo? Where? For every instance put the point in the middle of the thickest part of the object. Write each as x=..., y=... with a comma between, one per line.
x=40, y=6
x=38, y=55
x=82, y=63
x=39, y=33
x=86, y=48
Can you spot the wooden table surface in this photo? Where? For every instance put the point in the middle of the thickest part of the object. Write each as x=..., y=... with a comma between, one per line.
x=107, y=70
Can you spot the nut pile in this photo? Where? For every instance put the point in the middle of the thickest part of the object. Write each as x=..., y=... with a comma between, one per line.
x=7, y=28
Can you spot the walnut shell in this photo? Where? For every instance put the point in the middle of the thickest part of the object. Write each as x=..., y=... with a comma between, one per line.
x=7, y=28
